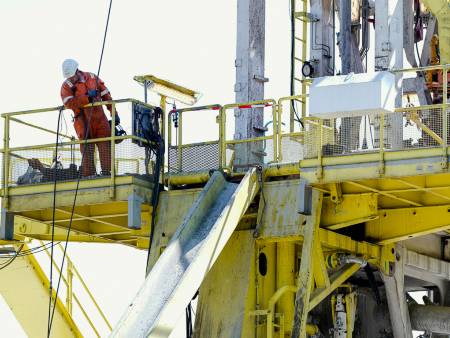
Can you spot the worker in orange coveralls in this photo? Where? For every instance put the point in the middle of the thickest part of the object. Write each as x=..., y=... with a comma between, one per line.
x=78, y=90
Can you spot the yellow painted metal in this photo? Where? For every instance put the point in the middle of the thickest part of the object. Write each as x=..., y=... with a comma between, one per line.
x=336, y=193
x=318, y=265
x=7, y=150
x=228, y=292
x=24, y=283
x=71, y=295
x=305, y=277
x=270, y=102
x=381, y=141
x=6, y=169
x=265, y=284
x=290, y=99
x=353, y=209
x=113, y=150
x=169, y=89
x=350, y=306
x=72, y=272
x=39, y=127
x=271, y=314
x=336, y=280
x=281, y=292
x=69, y=291
x=286, y=276
x=409, y=223
x=214, y=108
x=374, y=188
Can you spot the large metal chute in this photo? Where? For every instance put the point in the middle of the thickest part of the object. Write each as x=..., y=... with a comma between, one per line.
x=191, y=253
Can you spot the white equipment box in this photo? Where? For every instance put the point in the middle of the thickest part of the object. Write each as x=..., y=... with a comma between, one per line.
x=352, y=95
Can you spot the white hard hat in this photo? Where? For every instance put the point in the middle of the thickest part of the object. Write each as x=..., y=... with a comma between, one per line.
x=69, y=68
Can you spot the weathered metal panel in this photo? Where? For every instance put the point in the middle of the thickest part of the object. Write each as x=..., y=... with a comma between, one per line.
x=228, y=292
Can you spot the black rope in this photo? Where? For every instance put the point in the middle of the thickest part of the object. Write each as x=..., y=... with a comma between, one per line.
x=55, y=171
x=4, y=265
x=159, y=152
x=87, y=125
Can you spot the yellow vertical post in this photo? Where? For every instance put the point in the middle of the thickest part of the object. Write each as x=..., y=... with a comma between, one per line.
x=95, y=158
x=266, y=283
x=169, y=135
x=381, y=165
x=305, y=280
x=280, y=140
x=163, y=104
x=5, y=162
x=180, y=142
x=444, y=117
x=69, y=295
x=223, y=121
x=275, y=131
x=320, y=150
x=113, y=150
x=219, y=120
x=285, y=277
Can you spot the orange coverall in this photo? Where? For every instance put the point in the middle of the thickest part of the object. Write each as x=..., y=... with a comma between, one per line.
x=74, y=96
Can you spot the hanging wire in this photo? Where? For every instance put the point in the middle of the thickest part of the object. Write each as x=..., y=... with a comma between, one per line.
x=52, y=311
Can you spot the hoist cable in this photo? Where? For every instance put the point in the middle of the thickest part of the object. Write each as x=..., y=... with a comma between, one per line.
x=51, y=316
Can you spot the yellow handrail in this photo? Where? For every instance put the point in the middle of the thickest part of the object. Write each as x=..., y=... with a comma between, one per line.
x=9, y=151
x=249, y=105
x=72, y=271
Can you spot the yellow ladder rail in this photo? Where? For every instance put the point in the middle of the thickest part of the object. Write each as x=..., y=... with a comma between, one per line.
x=73, y=271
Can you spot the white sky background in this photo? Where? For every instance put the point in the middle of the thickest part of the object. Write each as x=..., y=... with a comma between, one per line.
x=189, y=42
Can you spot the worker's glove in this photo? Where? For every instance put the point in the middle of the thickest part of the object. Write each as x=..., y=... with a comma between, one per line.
x=92, y=94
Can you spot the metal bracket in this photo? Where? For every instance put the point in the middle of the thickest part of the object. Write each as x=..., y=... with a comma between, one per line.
x=259, y=128
x=386, y=46
x=387, y=259
x=304, y=198
x=260, y=78
x=134, y=211
x=336, y=193
x=7, y=225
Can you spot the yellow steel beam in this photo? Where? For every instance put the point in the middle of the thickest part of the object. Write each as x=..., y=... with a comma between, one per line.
x=285, y=268
x=83, y=218
x=305, y=282
x=366, y=165
x=89, y=218
x=24, y=283
x=385, y=194
x=341, y=225
x=394, y=225
x=333, y=241
x=38, y=230
x=336, y=280
x=425, y=189
x=319, y=267
x=351, y=210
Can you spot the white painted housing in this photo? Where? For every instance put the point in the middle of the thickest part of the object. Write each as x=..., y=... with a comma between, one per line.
x=352, y=95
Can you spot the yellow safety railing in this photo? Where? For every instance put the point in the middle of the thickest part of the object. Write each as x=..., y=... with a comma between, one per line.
x=424, y=125
x=271, y=314
x=247, y=108
x=176, y=145
x=71, y=296
x=293, y=136
x=119, y=156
